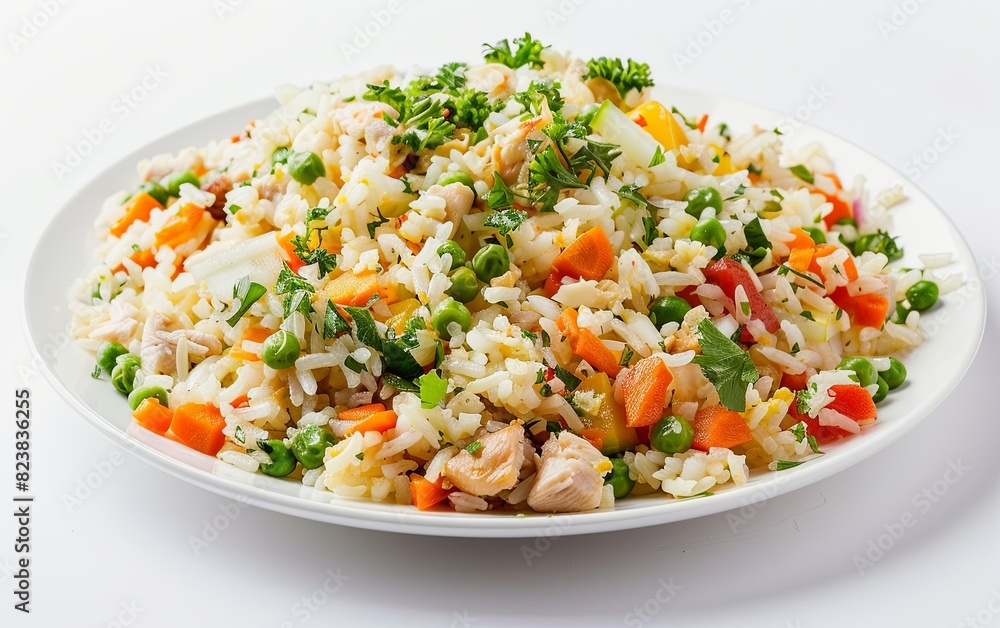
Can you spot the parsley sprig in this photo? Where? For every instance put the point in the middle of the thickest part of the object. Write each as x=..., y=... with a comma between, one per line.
x=528, y=52
x=726, y=365
x=624, y=76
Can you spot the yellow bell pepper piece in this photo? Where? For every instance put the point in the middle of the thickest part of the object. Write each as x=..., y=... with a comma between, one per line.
x=401, y=312
x=660, y=123
x=725, y=162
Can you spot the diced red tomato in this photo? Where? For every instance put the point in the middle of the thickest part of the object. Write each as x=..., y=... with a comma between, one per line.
x=728, y=274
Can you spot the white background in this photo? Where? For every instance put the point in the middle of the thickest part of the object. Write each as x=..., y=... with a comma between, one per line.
x=123, y=555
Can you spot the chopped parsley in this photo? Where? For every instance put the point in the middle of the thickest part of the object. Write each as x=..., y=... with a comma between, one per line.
x=500, y=195
x=505, y=221
x=803, y=173
x=432, y=389
x=245, y=293
x=372, y=226
x=781, y=465
x=571, y=381
x=658, y=157
x=400, y=384
x=627, y=354
x=333, y=323
x=726, y=365
x=624, y=76
x=354, y=365
x=474, y=447
x=530, y=335
x=367, y=330
x=288, y=281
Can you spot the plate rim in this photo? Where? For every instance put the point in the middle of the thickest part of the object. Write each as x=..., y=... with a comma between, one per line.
x=349, y=513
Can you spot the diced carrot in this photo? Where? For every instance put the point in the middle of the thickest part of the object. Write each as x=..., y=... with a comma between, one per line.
x=795, y=382
x=294, y=261
x=181, y=227
x=145, y=258
x=754, y=178
x=139, y=208
x=828, y=249
x=866, y=310
x=644, y=388
x=801, y=259
x=424, y=493
x=589, y=347
x=399, y=171
x=703, y=123
x=594, y=436
x=240, y=401
x=567, y=324
x=361, y=412
x=588, y=257
x=802, y=239
x=852, y=401
x=153, y=416
x=352, y=289
x=716, y=426
x=199, y=426
x=840, y=210
x=870, y=310
x=253, y=334
x=378, y=422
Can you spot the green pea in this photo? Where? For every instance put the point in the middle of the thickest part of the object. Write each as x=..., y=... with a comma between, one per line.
x=895, y=375
x=883, y=390
x=455, y=250
x=143, y=392
x=490, y=261
x=280, y=350
x=672, y=434
x=173, y=182
x=282, y=459
x=155, y=190
x=464, y=285
x=280, y=155
x=816, y=234
x=862, y=367
x=310, y=445
x=107, y=355
x=458, y=177
x=701, y=198
x=447, y=312
x=668, y=310
x=306, y=167
x=586, y=115
x=123, y=374
x=619, y=478
x=922, y=295
x=710, y=232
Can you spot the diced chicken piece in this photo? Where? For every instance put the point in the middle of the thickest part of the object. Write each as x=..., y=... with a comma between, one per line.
x=121, y=324
x=159, y=346
x=378, y=136
x=570, y=478
x=458, y=200
x=355, y=118
x=494, y=467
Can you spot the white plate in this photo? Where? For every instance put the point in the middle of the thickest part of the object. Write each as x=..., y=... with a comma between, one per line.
x=934, y=368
